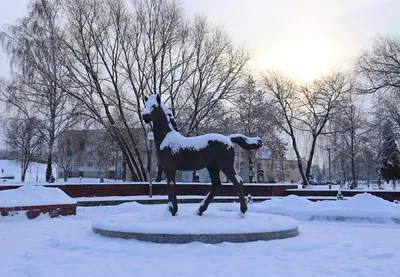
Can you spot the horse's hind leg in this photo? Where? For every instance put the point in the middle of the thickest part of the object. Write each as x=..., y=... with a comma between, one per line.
x=215, y=185
x=172, y=201
x=238, y=185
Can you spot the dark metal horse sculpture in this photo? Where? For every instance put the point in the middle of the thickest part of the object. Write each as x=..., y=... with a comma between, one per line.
x=212, y=151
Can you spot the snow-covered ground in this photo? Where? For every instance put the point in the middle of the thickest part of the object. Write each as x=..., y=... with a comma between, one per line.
x=67, y=247
x=359, y=207
x=39, y=170
x=14, y=168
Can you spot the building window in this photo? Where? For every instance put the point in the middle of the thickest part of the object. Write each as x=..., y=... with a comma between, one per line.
x=89, y=164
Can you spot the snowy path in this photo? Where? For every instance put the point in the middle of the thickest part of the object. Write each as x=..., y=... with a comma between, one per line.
x=67, y=247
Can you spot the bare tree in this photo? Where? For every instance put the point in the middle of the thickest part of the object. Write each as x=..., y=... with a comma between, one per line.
x=23, y=136
x=390, y=108
x=380, y=66
x=318, y=102
x=118, y=55
x=218, y=73
x=283, y=93
x=306, y=109
x=37, y=57
x=107, y=55
x=254, y=116
x=379, y=71
x=350, y=136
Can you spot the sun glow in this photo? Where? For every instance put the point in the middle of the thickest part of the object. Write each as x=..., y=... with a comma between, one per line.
x=303, y=60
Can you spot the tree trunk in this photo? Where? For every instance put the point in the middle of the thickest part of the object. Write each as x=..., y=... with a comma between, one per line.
x=23, y=176
x=299, y=164
x=65, y=175
x=23, y=172
x=353, y=172
x=49, y=169
x=159, y=173
x=124, y=170
x=310, y=157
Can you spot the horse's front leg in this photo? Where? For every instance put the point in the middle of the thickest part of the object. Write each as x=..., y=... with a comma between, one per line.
x=215, y=185
x=172, y=201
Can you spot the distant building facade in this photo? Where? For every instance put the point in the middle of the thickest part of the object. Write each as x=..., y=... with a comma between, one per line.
x=265, y=167
x=89, y=154
x=98, y=156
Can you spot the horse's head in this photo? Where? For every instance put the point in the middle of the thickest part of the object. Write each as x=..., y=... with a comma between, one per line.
x=153, y=108
x=151, y=105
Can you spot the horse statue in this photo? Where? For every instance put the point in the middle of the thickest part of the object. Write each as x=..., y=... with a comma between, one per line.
x=212, y=151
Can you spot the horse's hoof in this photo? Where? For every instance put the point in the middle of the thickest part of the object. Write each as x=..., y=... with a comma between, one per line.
x=170, y=209
x=173, y=210
x=200, y=211
x=240, y=215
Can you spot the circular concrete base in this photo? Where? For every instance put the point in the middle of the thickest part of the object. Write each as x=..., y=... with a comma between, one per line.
x=212, y=227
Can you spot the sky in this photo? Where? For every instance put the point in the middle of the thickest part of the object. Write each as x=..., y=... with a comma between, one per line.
x=304, y=39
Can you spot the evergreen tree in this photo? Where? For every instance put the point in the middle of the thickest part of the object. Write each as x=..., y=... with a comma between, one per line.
x=390, y=169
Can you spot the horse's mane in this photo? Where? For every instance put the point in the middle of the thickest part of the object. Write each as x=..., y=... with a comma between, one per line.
x=170, y=116
x=172, y=120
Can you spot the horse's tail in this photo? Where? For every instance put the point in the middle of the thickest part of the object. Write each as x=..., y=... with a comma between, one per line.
x=247, y=143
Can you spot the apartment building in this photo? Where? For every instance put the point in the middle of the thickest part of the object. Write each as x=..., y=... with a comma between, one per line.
x=93, y=154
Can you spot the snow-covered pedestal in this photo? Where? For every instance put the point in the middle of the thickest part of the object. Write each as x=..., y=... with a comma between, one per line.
x=213, y=227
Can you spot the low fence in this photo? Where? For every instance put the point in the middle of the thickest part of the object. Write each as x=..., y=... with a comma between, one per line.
x=131, y=189
x=255, y=189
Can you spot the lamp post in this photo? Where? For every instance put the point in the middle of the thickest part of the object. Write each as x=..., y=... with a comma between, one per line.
x=117, y=156
x=329, y=147
x=116, y=165
x=150, y=138
x=283, y=173
x=251, y=164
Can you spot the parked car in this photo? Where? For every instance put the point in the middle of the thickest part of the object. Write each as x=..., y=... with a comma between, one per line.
x=7, y=177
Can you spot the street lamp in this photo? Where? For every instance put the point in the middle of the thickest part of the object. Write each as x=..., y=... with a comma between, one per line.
x=150, y=138
x=329, y=147
x=117, y=156
x=251, y=164
x=283, y=172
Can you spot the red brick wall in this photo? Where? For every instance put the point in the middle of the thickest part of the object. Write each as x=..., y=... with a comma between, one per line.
x=34, y=211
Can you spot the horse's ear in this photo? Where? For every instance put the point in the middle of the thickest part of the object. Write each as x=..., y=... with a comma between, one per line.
x=158, y=99
x=145, y=98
